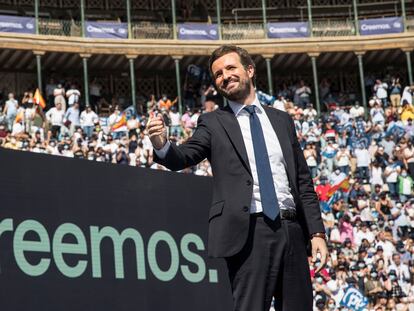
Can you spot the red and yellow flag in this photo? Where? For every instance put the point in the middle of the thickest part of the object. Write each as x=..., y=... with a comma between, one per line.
x=39, y=100
x=19, y=116
x=120, y=123
x=343, y=185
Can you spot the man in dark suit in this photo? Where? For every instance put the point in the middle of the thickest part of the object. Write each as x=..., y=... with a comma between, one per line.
x=265, y=209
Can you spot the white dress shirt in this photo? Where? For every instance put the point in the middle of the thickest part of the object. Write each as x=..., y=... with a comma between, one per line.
x=277, y=162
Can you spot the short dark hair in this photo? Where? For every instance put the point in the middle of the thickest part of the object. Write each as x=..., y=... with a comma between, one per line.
x=245, y=58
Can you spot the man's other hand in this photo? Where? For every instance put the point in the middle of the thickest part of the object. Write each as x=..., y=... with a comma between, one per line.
x=319, y=246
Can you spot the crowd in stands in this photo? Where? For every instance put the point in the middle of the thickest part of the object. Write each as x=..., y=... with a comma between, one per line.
x=361, y=160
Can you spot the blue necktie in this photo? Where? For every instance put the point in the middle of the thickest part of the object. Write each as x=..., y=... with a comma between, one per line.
x=268, y=196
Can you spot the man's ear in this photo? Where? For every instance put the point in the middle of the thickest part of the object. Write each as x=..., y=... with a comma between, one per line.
x=250, y=71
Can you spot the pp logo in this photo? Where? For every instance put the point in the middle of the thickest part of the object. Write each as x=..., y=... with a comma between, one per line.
x=213, y=32
x=303, y=29
x=397, y=25
x=29, y=26
x=122, y=31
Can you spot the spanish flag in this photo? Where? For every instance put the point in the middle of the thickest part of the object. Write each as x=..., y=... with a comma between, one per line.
x=19, y=116
x=120, y=123
x=39, y=100
x=343, y=185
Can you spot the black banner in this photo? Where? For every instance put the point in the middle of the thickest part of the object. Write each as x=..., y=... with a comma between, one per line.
x=81, y=235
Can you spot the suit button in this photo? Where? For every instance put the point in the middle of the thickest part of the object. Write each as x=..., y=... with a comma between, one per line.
x=248, y=182
x=245, y=209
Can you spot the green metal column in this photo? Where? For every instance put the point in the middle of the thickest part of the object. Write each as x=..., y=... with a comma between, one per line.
x=178, y=78
x=128, y=7
x=316, y=83
x=355, y=5
x=269, y=74
x=404, y=14
x=361, y=78
x=174, y=19
x=264, y=15
x=310, y=17
x=409, y=67
x=83, y=17
x=133, y=87
x=39, y=71
x=85, y=79
x=218, y=10
x=36, y=9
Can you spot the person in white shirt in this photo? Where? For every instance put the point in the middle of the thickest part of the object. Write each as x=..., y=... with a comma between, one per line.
x=73, y=95
x=310, y=112
x=280, y=103
x=386, y=245
x=392, y=170
x=407, y=95
x=115, y=119
x=88, y=118
x=55, y=117
x=363, y=161
x=356, y=111
x=364, y=233
x=59, y=93
x=380, y=89
x=175, y=126
x=401, y=269
x=72, y=119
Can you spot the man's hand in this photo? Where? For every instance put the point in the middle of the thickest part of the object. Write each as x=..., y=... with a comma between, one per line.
x=319, y=246
x=157, y=132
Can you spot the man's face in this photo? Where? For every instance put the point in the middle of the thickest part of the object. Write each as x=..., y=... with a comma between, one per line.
x=233, y=81
x=396, y=259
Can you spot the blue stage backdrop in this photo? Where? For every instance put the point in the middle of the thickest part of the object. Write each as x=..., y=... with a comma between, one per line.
x=81, y=235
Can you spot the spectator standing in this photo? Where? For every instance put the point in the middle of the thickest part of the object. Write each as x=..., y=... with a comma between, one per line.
x=73, y=95
x=380, y=89
x=395, y=93
x=343, y=159
x=88, y=118
x=174, y=115
x=392, y=170
x=72, y=118
x=59, y=94
x=10, y=110
x=95, y=94
x=303, y=93
x=55, y=117
x=405, y=185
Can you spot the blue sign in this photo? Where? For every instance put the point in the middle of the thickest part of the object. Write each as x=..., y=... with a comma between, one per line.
x=106, y=30
x=379, y=26
x=196, y=31
x=354, y=300
x=288, y=30
x=17, y=24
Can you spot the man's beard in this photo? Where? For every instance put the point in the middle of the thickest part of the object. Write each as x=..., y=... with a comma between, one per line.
x=238, y=93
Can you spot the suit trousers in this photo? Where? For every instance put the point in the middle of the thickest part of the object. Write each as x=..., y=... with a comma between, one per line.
x=273, y=263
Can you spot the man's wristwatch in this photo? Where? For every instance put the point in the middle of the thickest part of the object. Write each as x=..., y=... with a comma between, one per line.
x=318, y=235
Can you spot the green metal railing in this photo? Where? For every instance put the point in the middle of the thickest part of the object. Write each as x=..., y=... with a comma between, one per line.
x=146, y=30
x=242, y=31
x=409, y=23
x=55, y=27
x=333, y=28
x=248, y=31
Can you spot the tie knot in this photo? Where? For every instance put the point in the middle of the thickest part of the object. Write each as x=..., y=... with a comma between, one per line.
x=250, y=109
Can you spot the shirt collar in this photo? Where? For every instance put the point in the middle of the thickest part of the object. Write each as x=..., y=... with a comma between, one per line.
x=237, y=107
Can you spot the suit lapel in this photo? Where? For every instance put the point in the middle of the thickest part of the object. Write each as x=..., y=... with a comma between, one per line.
x=281, y=128
x=229, y=121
